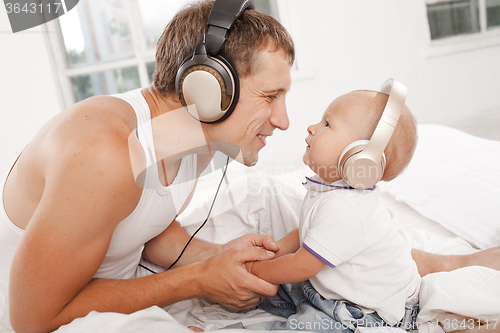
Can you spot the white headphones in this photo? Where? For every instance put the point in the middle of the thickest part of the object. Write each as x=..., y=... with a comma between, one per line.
x=362, y=163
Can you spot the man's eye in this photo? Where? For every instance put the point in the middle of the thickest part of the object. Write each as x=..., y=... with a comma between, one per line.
x=271, y=96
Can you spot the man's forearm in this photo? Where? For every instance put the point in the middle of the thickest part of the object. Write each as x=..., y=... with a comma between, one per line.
x=127, y=296
x=164, y=249
x=222, y=278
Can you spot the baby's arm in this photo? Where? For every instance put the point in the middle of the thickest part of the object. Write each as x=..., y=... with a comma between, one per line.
x=289, y=268
x=288, y=244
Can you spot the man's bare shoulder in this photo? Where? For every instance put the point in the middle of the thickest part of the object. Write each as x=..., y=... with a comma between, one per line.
x=94, y=131
x=84, y=147
x=90, y=151
x=101, y=112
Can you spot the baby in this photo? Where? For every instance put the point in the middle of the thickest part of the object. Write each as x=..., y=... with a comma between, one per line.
x=347, y=265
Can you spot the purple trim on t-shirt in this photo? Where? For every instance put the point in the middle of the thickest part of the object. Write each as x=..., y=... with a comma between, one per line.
x=317, y=255
x=335, y=186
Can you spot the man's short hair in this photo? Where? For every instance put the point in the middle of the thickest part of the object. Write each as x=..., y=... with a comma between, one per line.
x=252, y=33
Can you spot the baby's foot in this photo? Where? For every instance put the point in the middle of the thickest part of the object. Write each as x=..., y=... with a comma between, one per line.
x=487, y=258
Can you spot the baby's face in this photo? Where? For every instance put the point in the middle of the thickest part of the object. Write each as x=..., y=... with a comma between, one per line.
x=328, y=138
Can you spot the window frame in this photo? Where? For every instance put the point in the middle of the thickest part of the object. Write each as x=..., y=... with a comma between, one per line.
x=484, y=38
x=64, y=72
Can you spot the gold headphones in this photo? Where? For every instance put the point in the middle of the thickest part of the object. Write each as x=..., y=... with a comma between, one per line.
x=362, y=163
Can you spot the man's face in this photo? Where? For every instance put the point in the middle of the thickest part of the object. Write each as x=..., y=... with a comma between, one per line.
x=261, y=106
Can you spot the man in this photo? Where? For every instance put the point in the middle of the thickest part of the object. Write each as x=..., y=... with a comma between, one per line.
x=73, y=204
x=83, y=188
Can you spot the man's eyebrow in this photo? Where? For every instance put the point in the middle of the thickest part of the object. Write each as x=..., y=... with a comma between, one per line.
x=275, y=90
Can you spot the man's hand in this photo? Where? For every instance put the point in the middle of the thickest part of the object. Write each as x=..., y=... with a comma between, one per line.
x=248, y=266
x=251, y=240
x=225, y=279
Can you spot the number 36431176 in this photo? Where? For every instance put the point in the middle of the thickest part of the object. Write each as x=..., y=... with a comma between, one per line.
x=451, y=325
x=33, y=8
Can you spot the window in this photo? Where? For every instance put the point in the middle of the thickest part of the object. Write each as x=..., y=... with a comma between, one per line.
x=459, y=17
x=492, y=13
x=104, y=47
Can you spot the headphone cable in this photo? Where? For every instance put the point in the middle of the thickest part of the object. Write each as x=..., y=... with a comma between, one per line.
x=204, y=222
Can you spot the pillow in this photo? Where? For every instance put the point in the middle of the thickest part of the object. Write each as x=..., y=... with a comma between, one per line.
x=454, y=179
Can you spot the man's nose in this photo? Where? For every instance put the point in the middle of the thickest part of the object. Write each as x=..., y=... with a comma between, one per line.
x=279, y=117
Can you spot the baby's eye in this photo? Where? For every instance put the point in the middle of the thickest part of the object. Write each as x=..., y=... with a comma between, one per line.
x=327, y=124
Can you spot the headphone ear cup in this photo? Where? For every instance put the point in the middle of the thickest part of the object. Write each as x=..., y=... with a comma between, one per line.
x=201, y=93
x=209, y=83
x=352, y=149
x=357, y=168
x=234, y=98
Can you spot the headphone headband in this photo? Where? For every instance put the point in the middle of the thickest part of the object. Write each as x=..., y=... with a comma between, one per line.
x=389, y=119
x=362, y=163
x=206, y=78
x=222, y=17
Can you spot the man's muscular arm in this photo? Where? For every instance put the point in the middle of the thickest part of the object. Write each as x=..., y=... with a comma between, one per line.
x=89, y=189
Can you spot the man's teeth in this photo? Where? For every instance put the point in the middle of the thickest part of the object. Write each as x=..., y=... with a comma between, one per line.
x=262, y=137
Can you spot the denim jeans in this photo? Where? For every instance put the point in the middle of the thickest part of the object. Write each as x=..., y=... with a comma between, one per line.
x=306, y=310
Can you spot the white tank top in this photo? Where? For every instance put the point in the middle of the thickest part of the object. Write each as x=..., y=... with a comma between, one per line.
x=157, y=208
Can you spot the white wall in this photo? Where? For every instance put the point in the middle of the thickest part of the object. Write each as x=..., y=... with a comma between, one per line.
x=350, y=45
x=28, y=94
x=341, y=46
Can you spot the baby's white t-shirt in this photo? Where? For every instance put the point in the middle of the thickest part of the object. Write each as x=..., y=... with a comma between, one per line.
x=368, y=260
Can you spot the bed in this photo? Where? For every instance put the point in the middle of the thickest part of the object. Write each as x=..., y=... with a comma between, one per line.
x=448, y=202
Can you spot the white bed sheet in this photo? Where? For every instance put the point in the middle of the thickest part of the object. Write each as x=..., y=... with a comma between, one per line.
x=454, y=179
